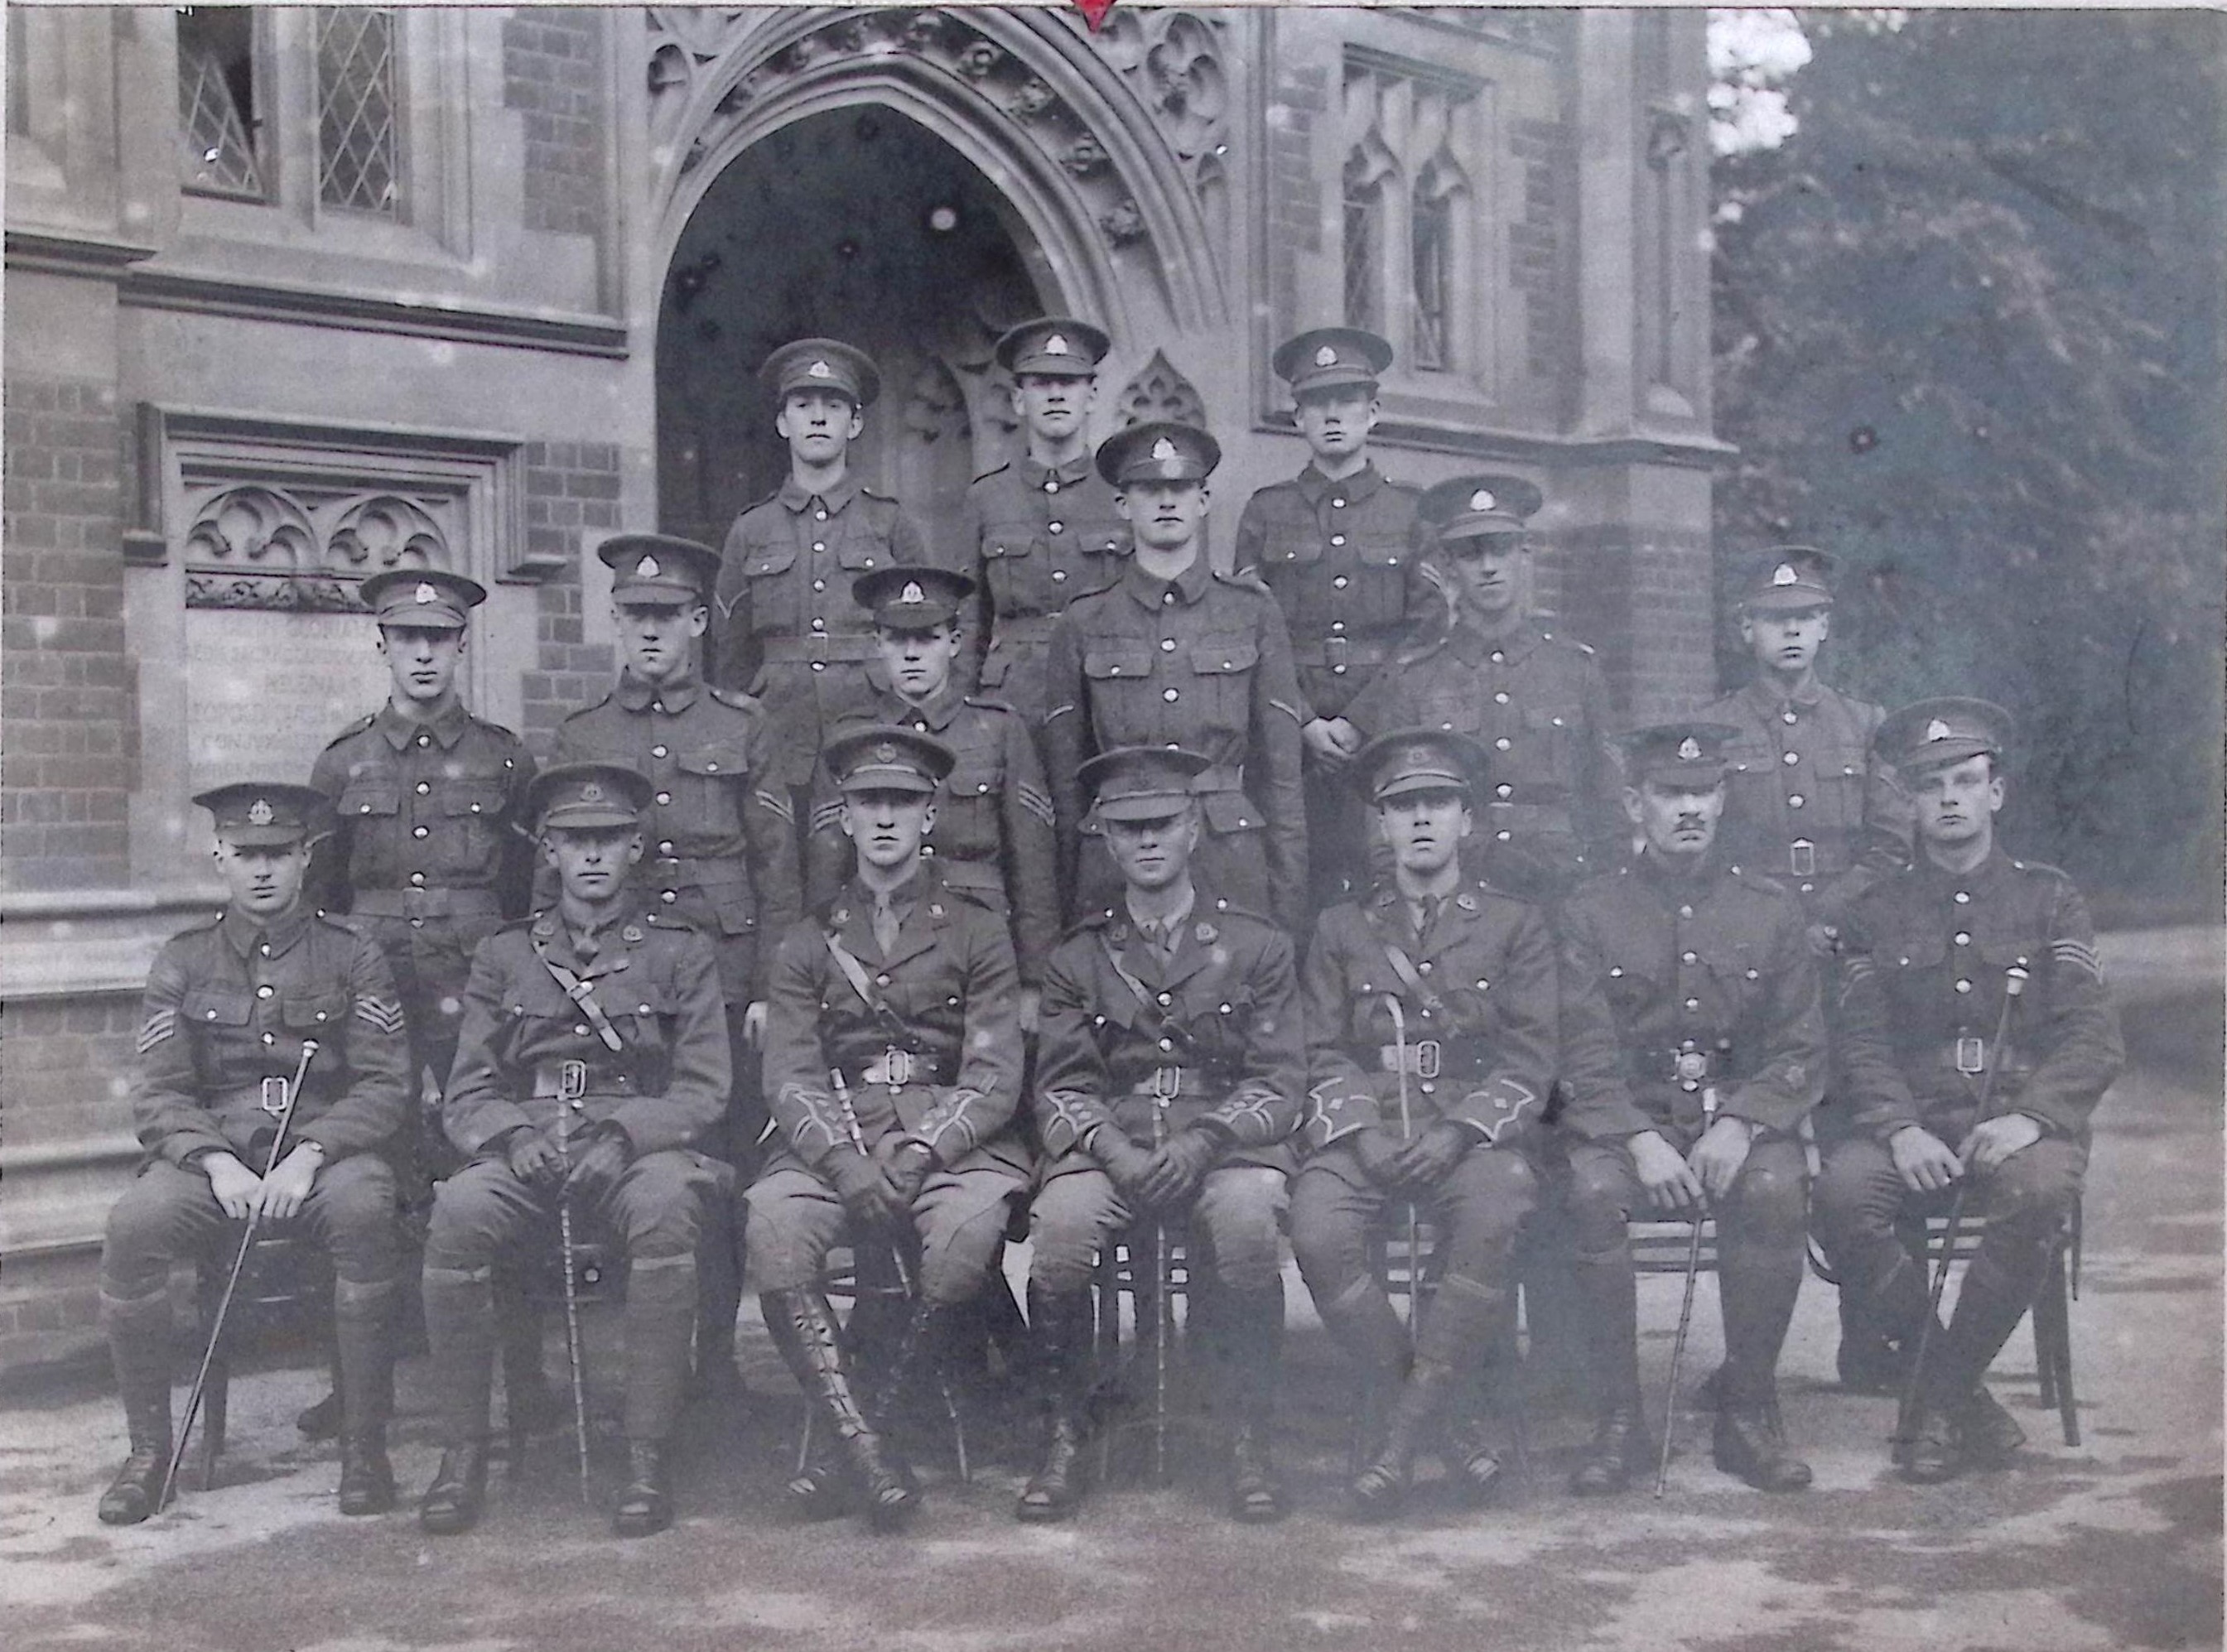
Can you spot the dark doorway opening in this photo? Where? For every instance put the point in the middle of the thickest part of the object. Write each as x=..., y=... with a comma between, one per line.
x=860, y=224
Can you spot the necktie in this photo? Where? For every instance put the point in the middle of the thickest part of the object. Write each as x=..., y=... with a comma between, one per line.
x=585, y=947
x=885, y=926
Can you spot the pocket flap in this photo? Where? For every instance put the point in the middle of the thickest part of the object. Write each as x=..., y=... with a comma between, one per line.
x=1118, y=657
x=1007, y=544
x=775, y=557
x=484, y=797
x=1217, y=655
x=1231, y=812
x=713, y=760
x=217, y=1007
x=311, y=1013
x=372, y=798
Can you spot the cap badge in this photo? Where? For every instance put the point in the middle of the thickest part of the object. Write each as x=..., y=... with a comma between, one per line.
x=885, y=753
x=1690, y=750
x=1938, y=729
x=593, y=791
x=1785, y=575
x=1482, y=500
x=912, y=593
x=819, y=370
x=1163, y=450
x=425, y=593
x=1056, y=345
x=1327, y=356
x=258, y=812
x=647, y=569
x=1416, y=755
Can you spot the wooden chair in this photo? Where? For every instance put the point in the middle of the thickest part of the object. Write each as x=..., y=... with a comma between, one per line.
x=1124, y=1270
x=865, y=1276
x=288, y=1277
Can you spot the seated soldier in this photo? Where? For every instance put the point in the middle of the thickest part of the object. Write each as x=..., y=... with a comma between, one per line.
x=1170, y=1068
x=1938, y=1047
x=592, y=1060
x=1694, y=1045
x=1430, y=1027
x=232, y=1004
x=893, y=1063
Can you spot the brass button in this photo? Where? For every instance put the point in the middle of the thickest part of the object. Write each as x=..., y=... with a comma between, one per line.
x=424, y=787
x=657, y=751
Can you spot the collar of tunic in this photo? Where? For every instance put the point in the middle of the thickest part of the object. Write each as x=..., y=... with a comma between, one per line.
x=448, y=728
x=799, y=499
x=243, y=934
x=674, y=694
x=1036, y=474
x=1148, y=589
x=1353, y=488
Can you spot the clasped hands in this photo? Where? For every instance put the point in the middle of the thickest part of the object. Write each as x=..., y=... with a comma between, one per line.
x=1155, y=1178
x=1927, y=1165
x=1680, y=1183
x=242, y=1194
x=1392, y=1161
x=537, y=1161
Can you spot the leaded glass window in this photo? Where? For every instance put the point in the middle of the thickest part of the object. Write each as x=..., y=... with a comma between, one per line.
x=218, y=122
x=359, y=159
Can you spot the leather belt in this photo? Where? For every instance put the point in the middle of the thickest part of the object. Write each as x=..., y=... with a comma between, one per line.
x=693, y=871
x=1969, y=1055
x=567, y=1079
x=269, y=1096
x=818, y=647
x=1539, y=817
x=1420, y=1057
x=896, y=1067
x=1222, y=777
x=1030, y=630
x=426, y=903
x=1339, y=654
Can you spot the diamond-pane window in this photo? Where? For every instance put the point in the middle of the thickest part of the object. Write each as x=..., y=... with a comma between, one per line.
x=217, y=121
x=358, y=162
x=1431, y=241
x=1364, y=214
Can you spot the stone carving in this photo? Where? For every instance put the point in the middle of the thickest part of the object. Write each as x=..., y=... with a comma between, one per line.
x=1172, y=60
x=1160, y=392
x=258, y=546
x=1122, y=222
x=1085, y=157
x=378, y=532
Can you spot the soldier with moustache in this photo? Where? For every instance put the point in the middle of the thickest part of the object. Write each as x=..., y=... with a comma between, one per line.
x=720, y=847
x=592, y=1062
x=1171, y=1068
x=1532, y=697
x=1335, y=544
x=1042, y=528
x=788, y=632
x=1694, y=1045
x=1177, y=654
x=1955, y=1077
x=1432, y=1008
x=230, y=1007
x=893, y=1056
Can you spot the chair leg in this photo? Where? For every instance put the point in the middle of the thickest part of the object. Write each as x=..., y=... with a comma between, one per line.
x=2052, y=1329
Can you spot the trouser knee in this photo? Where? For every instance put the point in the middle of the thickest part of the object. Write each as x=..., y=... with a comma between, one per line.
x=1769, y=1208
x=1069, y=1223
x=956, y=1266
x=355, y=1208
x=1241, y=1210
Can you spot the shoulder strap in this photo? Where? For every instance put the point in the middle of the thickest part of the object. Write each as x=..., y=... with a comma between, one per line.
x=584, y=995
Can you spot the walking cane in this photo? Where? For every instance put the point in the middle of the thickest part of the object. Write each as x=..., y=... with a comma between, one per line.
x=285, y=1115
x=1407, y=1134
x=2014, y=980
x=1684, y=1312
x=569, y=1257
x=1164, y=1319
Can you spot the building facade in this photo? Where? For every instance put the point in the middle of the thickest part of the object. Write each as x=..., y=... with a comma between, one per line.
x=296, y=293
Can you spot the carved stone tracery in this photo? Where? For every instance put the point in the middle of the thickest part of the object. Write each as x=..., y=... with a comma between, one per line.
x=253, y=544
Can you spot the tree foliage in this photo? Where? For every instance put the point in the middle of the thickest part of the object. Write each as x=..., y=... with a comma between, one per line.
x=1968, y=336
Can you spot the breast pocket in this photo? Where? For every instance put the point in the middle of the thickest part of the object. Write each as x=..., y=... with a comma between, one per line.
x=218, y=1007
x=766, y=565
x=861, y=551
x=377, y=799
x=704, y=792
x=1839, y=779
x=1549, y=745
x=1380, y=578
x=472, y=814
x=1221, y=666
x=309, y=1013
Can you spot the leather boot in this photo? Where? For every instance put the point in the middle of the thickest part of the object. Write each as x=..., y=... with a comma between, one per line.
x=1879, y=1336
x=1380, y=1490
x=1989, y=1304
x=1608, y=1309
x=139, y=1348
x=1253, y=1354
x=1988, y=1434
x=646, y=1501
x=453, y=1501
x=363, y=1320
x=804, y=1329
x=460, y=1324
x=530, y=1405
x=1061, y=1327
x=1750, y=1443
x=320, y=1420
x=930, y=1349
x=661, y=1318
x=1361, y=1320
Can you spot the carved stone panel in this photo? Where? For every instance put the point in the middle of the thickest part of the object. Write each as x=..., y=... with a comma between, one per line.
x=1160, y=392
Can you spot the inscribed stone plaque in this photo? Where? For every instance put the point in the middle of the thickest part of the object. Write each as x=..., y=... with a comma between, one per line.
x=266, y=691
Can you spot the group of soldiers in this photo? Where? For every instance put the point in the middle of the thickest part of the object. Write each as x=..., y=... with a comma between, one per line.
x=1092, y=892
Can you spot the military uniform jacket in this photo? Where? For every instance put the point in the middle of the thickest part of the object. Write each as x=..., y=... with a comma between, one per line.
x=1925, y=956
x=1674, y=986
x=527, y=1047
x=1538, y=704
x=228, y=1005
x=431, y=817
x=788, y=631
x=1340, y=557
x=720, y=849
x=993, y=818
x=936, y=1054
x=1041, y=536
x=1212, y=1033
x=1481, y=1015
x=1808, y=804
x=1202, y=661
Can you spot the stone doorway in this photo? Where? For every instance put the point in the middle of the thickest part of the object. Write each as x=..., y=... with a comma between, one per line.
x=857, y=224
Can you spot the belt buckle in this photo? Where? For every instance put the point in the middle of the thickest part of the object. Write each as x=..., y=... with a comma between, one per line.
x=571, y=1080
x=1337, y=652
x=1802, y=856
x=1426, y=1058
x=816, y=645
x=274, y=1096
x=1691, y=1066
x=896, y=1067
x=1167, y=1083
x=1971, y=1055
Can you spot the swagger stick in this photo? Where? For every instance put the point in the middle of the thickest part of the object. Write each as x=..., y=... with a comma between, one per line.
x=1684, y=1312
x=1164, y=1318
x=1407, y=1134
x=285, y=1116
x=570, y=1258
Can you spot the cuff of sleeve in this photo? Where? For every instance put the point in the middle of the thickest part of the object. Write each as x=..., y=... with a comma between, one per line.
x=185, y=1146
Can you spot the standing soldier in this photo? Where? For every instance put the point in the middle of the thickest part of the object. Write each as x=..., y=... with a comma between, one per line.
x=1042, y=528
x=1336, y=545
x=1694, y=1044
x=894, y=1058
x=1176, y=654
x=1939, y=1046
x=1431, y=1008
x=1169, y=1078
x=788, y=631
x=1535, y=700
x=231, y=1007
x=721, y=848
x=993, y=835
x=593, y=1058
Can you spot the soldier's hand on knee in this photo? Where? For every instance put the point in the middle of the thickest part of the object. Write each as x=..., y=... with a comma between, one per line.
x=905, y=1162
x=1178, y=1167
x=1126, y=1162
x=238, y=1190
x=1378, y=1149
x=1668, y=1180
x=865, y=1190
x=533, y=1158
x=285, y=1188
x=1718, y=1157
x=601, y=1162
x=1923, y=1160
x=1993, y=1140
x=1432, y=1154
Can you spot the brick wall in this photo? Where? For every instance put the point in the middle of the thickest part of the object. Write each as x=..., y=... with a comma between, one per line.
x=571, y=489
x=1294, y=205
x=552, y=72
x=1645, y=604
x=1537, y=270
x=68, y=686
